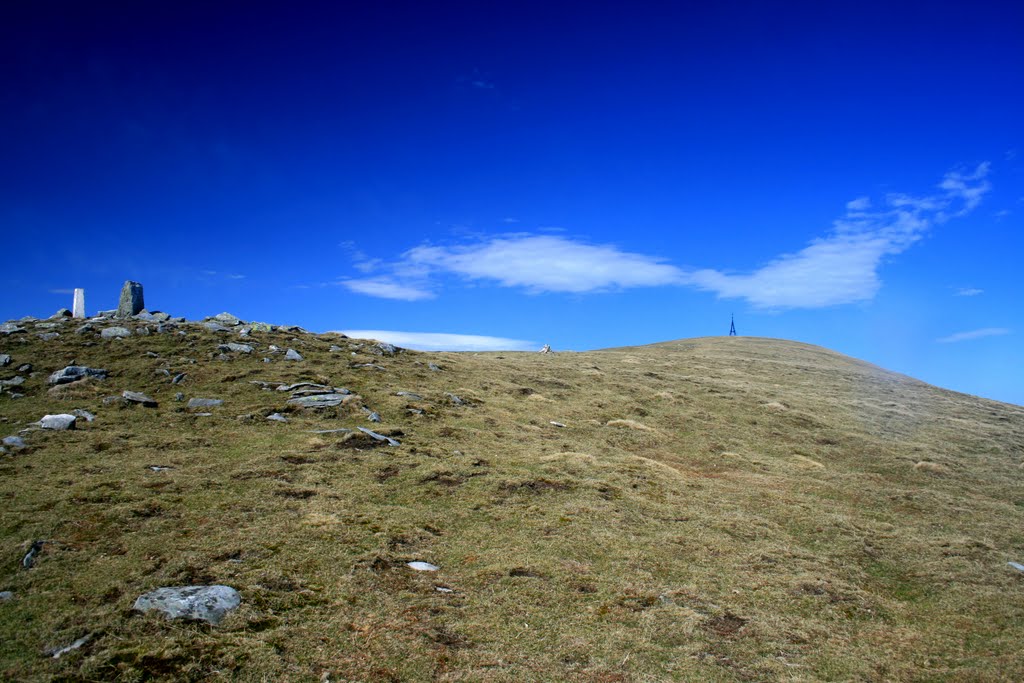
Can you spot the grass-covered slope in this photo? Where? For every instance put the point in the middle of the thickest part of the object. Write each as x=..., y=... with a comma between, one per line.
x=720, y=509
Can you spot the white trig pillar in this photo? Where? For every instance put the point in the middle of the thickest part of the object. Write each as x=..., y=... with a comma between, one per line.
x=78, y=311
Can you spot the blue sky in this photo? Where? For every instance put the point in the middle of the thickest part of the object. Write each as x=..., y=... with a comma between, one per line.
x=586, y=175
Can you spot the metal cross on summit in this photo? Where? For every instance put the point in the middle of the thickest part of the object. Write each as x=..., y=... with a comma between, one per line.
x=732, y=326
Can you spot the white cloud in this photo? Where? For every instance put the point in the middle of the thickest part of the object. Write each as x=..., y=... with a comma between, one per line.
x=440, y=341
x=62, y=291
x=969, y=291
x=974, y=334
x=842, y=267
x=547, y=264
x=385, y=288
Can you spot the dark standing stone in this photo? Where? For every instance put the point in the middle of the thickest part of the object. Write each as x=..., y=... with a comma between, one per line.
x=131, y=302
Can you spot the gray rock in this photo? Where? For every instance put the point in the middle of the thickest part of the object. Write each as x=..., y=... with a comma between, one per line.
x=373, y=417
x=6, y=596
x=227, y=319
x=237, y=348
x=305, y=385
x=116, y=333
x=58, y=652
x=131, y=302
x=144, y=315
x=179, y=396
x=341, y=430
x=204, y=402
x=73, y=373
x=409, y=395
x=142, y=331
x=25, y=367
x=15, y=381
x=10, y=328
x=216, y=327
x=138, y=397
x=47, y=326
x=434, y=367
x=105, y=314
x=58, y=422
x=379, y=437
x=48, y=336
x=111, y=400
x=85, y=329
x=5, y=359
x=179, y=378
x=382, y=349
x=335, y=348
x=261, y=327
x=456, y=400
x=159, y=468
x=201, y=603
x=277, y=417
x=14, y=442
x=266, y=360
x=84, y=414
x=318, y=401
x=160, y=316
x=61, y=313
x=292, y=354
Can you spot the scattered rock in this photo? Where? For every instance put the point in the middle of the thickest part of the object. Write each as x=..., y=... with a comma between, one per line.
x=61, y=313
x=139, y=397
x=434, y=367
x=373, y=417
x=292, y=354
x=456, y=400
x=204, y=402
x=409, y=395
x=201, y=603
x=14, y=442
x=10, y=328
x=85, y=414
x=25, y=367
x=237, y=348
x=29, y=560
x=319, y=400
x=144, y=315
x=74, y=373
x=58, y=422
x=421, y=566
x=379, y=437
x=382, y=349
x=142, y=331
x=216, y=327
x=179, y=396
x=160, y=468
x=340, y=430
x=6, y=596
x=160, y=316
x=261, y=327
x=546, y=349
x=111, y=400
x=1016, y=565
x=227, y=319
x=179, y=377
x=557, y=424
x=277, y=417
x=335, y=348
x=48, y=336
x=115, y=333
x=15, y=381
x=58, y=652
x=5, y=359
x=84, y=329
x=131, y=301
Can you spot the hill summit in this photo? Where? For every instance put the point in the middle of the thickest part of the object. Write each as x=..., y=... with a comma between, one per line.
x=714, y=509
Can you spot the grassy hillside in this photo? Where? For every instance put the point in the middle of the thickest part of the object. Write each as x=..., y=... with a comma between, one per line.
x=718, y=509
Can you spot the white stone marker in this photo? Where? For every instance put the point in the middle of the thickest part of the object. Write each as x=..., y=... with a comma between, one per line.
x=78, y=310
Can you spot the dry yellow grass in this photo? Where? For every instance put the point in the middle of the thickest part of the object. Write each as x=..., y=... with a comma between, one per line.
x=704, y=536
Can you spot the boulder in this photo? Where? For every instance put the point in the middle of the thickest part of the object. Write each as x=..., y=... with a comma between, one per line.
x=14, y=442
x=139, y=397
x=73, y=373
x=292, y=354
x=61, y=313
x=227, y=319
x=160, y=316
x=261, y=327
x=116, y=333
x=131, y=302
x=237, y=348
x=204, y=402
x=48, y=336
x=10, y=328
x=201, y=603
x=58, y=422
x=216, y=327
x=15, y=381
x=5, y=359
x=382, y=349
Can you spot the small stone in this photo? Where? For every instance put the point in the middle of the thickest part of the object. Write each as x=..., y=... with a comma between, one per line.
x=131, y=301
x=179, y=378
x=84, y=329
x=409, y=395
x=1016, y=565
x=14, y=442
x=379, y=437
x=142, y=331
x=58, y=422
x=179, y=396
x=84, y=414
x=139, y=397
x=58, y=652
x=227, y=319
x=382, y=349
x=216, y=327
x=557, y=424
x=421, y=566
x=204, y=402
x=434, y=367
x=15, y=381
x=6, y=596
x=335, y=348
x=261, y=327
x=25, y=367
x=73, y=373
x=237, y=348
x=277, y=417
x=456, y=400
x=5, y=359
x=160, y=316
x=159, y=468
x=48, y=336
x=115, y=333
x=373, y=417
x=111, y=400
x=144, y=315
x=319, y=400
x=10, y=328
x=201, y=603
x=292, y=354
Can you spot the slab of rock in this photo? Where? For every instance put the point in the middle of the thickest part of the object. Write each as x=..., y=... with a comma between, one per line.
x=61, y=313
x=277, y=417
x=261, y=327
x=73, y=373
x=237, y=348
x=160, y=316
x=15, y=381
x=319, y=401
x=14, y=442
x=292, y=354
x=409, y=395
x=144, y=315
x=139, y=397
x=383, y=349
x=201, y=603
x=216, y=327
x=5, y=359
x=84, y=414
x=84, y=329
x=379, y=437
x=179, y=378
x=10, y=328
x=204, y=402
x=48, y=336
x=25, y=367
x=58, y=422
x=227, y=319
x=131, y=301
x=116, y=333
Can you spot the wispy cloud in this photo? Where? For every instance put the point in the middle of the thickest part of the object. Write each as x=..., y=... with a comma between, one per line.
x=969, y=291
x=842, y=267
x=62, y=291
x=441, y=341
x=544, y=263
x=385, y=288
x=974, y=334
